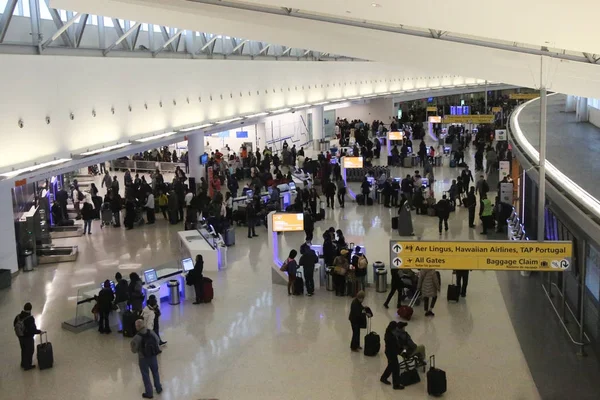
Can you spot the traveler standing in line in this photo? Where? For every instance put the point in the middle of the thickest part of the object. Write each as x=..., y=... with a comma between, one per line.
x=443, y=213
x=115, y=207
x=471, y=202
x=106, y=181
x=25, y=329
x=104, y=300
x=136, y=294
x=486, y=210
x=77, y=198
x=462, y=280
x=114, y=186
x=397, y=286
x=146, y=344
x=340, y=270
x=290, y=266
x=196, y=279
x=121, y=295
x=360, y=263
x=308, y=259
x=429, y=286
x=251, y=219
x=163, y=203
x=87, y=213
x=392, y=351
x=150, y=208
x=357, y=318
x=366, y=189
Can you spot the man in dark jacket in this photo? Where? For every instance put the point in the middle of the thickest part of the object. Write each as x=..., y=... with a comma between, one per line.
x=115, y=207
x=25, y=331
x=330, y=193
x=121, y=295
x=308, y=259
x=466, y=177
x=251, y=219
x=443, y=212
x=309, y=226
x=471, y=203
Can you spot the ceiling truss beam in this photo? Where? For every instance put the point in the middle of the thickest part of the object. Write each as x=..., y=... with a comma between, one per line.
x=7, y=17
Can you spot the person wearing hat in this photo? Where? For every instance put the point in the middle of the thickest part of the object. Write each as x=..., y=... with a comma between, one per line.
x=392, y=350
x=25, y=330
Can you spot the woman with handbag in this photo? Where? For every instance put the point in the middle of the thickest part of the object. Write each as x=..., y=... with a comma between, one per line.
x=290, y=266
x=340, y=269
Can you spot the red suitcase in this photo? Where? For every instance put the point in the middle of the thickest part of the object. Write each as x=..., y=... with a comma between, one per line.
x=207, y=291
x=406, y=312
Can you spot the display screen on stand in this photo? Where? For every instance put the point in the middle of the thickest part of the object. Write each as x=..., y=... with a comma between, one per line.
x=353, y=162
x=399, y=135
x=288, y=222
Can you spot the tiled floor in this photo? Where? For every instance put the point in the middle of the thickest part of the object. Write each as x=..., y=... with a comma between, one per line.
x=253, y=341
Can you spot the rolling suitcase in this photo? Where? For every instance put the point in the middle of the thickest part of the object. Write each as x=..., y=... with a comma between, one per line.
x=453, y=291
x=369, y=201
x=395, y=223
x=436, y=379
x=352, y=287
x=229, y=237
x=372, y=341
x=298, y=285
x=207, y=290
x=410, y=377
x=452, y=164
x=45, y=355
x=129, y=318
x=406, y=312
x=407, y=162
x=360, y=198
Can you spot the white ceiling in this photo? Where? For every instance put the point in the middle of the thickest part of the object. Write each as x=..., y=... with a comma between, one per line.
x=407, y=52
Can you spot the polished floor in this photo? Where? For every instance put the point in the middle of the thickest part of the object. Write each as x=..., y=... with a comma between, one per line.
x=253, y=341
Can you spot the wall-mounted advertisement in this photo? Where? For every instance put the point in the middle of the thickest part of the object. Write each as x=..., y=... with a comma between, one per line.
x=501, y=135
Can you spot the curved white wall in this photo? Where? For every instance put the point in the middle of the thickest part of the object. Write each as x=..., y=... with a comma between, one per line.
x=38, y=86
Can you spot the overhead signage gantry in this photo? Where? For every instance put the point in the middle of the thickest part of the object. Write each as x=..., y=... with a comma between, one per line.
x=484, y=255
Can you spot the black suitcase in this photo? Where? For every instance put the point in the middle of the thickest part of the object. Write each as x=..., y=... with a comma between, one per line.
x=360, y=199
x=173, y=217
x=369, y=201
x=129, y=319
x=372, y=341
x=298, y=286
x=436, y=379
x=229, y=237
x=97, y=200
x=352, y=287
x=45, y=355
x=453, y=291
x=410, y=377
x=394, y=223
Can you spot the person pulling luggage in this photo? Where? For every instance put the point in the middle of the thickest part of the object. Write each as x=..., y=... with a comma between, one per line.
x=392, y=351
x=25, y=329
x=357, y=318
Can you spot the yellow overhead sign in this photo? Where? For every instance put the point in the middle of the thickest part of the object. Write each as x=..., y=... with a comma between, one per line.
x=469, y=119
x=496, y=109
x=432, y=109
x=523, y=96
x=486, y=255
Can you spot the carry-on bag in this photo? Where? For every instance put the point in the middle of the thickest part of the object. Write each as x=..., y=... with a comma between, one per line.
x=410, y=377
x=394, y=223
x=298, y=285
x=45, y=355
x=128, y=328
x=207, y=290
x=453, y=291
x=406, y=312
x=229, y=237
x=436, y=379
x=372, y=341
x=360, y=198
x=407, y=162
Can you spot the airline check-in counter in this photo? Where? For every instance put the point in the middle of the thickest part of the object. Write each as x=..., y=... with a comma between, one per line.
x=206, y=242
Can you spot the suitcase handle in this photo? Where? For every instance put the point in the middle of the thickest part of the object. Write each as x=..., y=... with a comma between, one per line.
x=432, y=361
x=42, y=333
x=414, y=299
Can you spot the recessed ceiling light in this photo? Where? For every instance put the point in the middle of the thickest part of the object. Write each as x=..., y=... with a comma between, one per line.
x=375, y=4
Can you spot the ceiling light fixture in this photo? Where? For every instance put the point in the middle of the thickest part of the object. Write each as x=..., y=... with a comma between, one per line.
x=281, y=110
x=193, y=128
x=260, y=114
x=226, y=121
x=370, y=95
x=377, y=5
x=16, y=172
x=104, y=149
x=301, y=106
x=322, y=103
x=355, y=98
x=161, y=135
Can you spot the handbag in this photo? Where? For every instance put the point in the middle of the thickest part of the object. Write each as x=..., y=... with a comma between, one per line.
x=284, y=267
x=410, y=377
x=339, y=271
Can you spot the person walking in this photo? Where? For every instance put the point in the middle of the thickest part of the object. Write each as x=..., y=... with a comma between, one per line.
x=482, y=188
x=462, y=280
x=87, y=213
x=106, y=181
x=429, y=286
x=397, y=286
x=471, y=203
x=291, y=267
x=330, y=193
x=466, y=177
x=196, y=279
x=443, y=212
x=146, y=345
x=309, y=227
x=25, y=329
x=308, y=259
x=392, y=351
x=121, y=296
x=357, y=318
x=341, y=191
x=163, y=203
x=104, y=301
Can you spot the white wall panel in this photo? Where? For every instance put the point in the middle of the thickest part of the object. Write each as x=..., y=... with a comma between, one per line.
x=379, y=109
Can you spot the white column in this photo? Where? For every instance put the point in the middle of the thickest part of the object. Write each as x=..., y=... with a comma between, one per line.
x=570, y=105
x=581, y=113
x=195, y=150
x=317, y=126
x=8, y=241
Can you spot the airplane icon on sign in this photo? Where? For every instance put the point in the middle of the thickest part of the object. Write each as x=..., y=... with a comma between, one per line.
x=409, y=247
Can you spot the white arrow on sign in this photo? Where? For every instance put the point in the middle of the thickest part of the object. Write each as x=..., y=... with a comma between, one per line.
x=397, y=248
x=397, y=262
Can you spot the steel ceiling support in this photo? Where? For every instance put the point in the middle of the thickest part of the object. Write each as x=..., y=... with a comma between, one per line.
x=286, y=50
x=81, y=29
x=209, y=46
x=165, y=34
x=189, y=43
x=168, y=43
x=122, y=38
x=151, y=37
x=6, y=17
x=63, y=30
x=264, y=50
x=34, y=18
x=101, y=33
x=58, y=22
x=135, y=36
x=591, y=58
x=239, y=47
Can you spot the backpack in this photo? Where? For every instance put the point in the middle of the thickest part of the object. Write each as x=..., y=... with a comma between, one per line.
x=80, y=195
x=149, y=347
x=362, y=262
x=20, y=326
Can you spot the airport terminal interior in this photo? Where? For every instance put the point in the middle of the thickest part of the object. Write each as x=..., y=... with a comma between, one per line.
x=141, y=135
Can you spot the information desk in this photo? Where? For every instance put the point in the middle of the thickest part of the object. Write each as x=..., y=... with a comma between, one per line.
x=200, y=241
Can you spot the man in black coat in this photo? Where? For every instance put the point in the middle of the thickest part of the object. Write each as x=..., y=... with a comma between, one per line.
x=26, y=341
x=443, y=212
x=307, y=261
x=309, y=226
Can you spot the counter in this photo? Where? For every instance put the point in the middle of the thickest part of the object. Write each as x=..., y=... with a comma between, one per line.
x=213, y=251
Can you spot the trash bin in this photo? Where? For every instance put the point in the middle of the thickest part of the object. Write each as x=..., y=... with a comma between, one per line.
x=376, y=266
x=329, y=279
x=381, y=280
x=173, y=286
x=28, y=256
